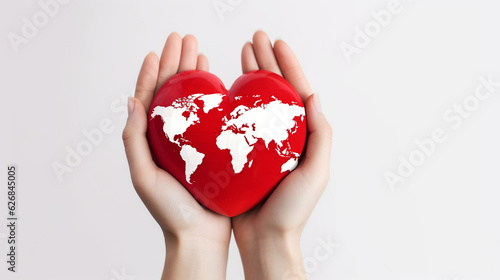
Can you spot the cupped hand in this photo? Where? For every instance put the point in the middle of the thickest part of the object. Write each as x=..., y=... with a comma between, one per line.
x=179, y=215
x=278, y=222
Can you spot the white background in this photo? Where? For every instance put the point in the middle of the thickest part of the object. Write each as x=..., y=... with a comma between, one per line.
x=442, y=222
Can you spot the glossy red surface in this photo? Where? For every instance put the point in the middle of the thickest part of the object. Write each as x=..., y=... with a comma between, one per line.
x=214, y=183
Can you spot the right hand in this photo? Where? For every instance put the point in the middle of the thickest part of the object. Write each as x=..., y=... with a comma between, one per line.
x=268, y=236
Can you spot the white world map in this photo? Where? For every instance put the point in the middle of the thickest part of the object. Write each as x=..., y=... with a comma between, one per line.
x=271, y=122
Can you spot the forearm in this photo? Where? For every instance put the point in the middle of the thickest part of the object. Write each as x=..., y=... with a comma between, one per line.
x=272, y=258
x=194, y=258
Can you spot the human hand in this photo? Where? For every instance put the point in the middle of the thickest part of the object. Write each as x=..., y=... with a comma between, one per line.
x=268, y=236
x=197, y=239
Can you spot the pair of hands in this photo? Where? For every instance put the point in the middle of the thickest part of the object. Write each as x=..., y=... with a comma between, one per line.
x=197, y=239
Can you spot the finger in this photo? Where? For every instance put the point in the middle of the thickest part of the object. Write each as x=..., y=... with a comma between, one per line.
x=291, y=69
x=300, y=190
x=264, y=52
x=170, y=59
x=189, y=53
x=202, y=63
x=141, y=164
x=315, y=164
x=146, y=83
x=248, y=59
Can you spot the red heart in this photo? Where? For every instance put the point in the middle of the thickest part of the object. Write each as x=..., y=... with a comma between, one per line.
x=228, y=148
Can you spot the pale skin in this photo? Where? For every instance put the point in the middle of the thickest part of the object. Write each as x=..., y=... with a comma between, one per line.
x=197, y=239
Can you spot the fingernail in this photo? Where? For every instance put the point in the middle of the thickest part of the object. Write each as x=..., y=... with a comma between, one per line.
x=317, y=103
x=131, y=105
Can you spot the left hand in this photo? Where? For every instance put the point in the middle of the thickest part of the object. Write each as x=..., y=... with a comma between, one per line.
x=193, y=234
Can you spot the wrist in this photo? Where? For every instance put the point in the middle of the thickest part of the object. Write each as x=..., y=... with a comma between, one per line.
x=188, y=241
x=194, y=257
x=272, y=257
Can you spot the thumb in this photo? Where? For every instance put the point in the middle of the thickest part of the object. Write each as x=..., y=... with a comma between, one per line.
x=139, y=158
x=316, y=163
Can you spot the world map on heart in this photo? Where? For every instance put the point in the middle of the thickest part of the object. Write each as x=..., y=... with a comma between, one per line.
x=272, y=122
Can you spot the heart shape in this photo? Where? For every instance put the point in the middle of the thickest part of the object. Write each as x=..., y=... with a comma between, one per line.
x=229, y=149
